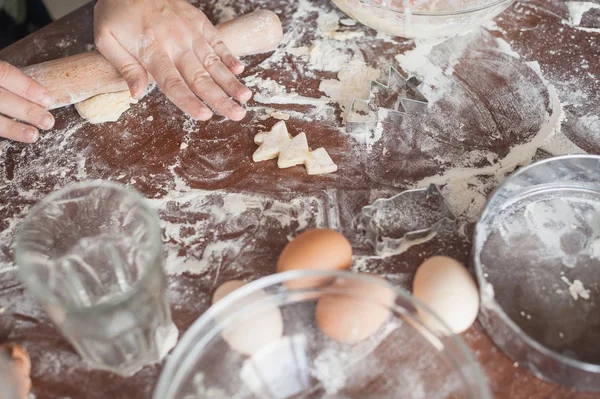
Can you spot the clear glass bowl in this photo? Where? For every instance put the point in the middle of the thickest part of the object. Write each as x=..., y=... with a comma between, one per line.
x=422, y=18
x=403, y=358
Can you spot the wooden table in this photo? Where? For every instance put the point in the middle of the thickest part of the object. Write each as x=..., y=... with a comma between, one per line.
x=225, y=217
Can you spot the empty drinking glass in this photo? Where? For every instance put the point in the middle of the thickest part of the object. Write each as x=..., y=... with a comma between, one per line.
x=92, y=254
x=9, y=388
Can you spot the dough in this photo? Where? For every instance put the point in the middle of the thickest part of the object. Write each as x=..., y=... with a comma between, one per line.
x=319, y=162
x=105, y=107
x=291, y=151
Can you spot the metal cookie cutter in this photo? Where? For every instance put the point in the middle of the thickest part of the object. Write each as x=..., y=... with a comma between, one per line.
x=392, y=100
x=412, y=215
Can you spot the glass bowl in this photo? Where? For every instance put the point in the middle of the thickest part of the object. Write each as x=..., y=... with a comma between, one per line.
x=402, y=358
x=422, y=18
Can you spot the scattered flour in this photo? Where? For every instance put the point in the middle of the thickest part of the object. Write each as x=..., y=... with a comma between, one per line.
x=504, y=46
x=280, y=115
x=578, y=8
x=57, y=146
x=332, y=364
x=557, y=225
x=333, y=49
x=272, y=92
x=463, y=186
x=224, y=13
x=226, y=212
x=353, y=81
x=328, y=58
x=217, y=227
x=417, y=62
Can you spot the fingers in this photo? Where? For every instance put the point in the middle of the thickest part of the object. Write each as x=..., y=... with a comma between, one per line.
x=206, y=31
x=220, y=73
x=18, y=131
x=134, y=74
x=173, y=85
x=201, y=82
x=25, y=111
x=12, y=79
x=211, y=36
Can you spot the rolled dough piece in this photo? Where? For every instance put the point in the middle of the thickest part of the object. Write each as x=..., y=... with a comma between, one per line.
x=291, y=151
x=105, y=107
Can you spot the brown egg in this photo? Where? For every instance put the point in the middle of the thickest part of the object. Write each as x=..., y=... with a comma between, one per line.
x=21, y=367
x=318, y=249
x=356, y=316
x=259, y=329
x=226, y=289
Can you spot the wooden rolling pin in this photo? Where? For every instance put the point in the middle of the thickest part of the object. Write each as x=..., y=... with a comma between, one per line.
x=74, y=79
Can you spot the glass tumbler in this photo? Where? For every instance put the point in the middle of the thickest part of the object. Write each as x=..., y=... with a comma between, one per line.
x=92, y=255
x=8, y=384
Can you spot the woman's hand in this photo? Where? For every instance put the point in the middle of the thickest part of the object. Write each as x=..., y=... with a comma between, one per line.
x=25, y=100
x=176, y=43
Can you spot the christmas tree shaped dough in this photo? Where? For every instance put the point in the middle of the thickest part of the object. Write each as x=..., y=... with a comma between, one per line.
x=291, y=151
x=319, y=162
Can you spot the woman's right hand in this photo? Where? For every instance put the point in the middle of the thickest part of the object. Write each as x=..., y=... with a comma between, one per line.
x=23, y=104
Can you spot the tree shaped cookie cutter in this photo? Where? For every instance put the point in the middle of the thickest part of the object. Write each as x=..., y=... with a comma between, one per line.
x=410, y=216
x=392, y=100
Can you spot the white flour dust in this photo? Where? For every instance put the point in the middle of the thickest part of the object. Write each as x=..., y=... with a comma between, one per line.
x=327, y=53
x=272, y=92
x=207, y=231
x=463, y=186
x=350, y=84
x=577, y=9
x=332, y=365
x=564, y=228
x=553, y=241
x=226, y=225
x=334, y=49
x=224, y=13
x=55, y=146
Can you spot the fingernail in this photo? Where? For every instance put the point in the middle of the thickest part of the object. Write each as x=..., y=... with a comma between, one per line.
x=47, y=121
x=205, y=116
x=245, y=95
x=237, y=64
x=138, y=89
x=46, y=100
x=241, y=112
x=30, y=134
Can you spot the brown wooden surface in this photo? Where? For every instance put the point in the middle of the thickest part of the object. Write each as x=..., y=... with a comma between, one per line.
x=144, y=150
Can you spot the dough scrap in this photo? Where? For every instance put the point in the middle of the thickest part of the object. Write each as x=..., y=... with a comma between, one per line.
x=291, y=151
x=105, y=107
x=271, y=143
x=319, y=162
x=294, y=153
